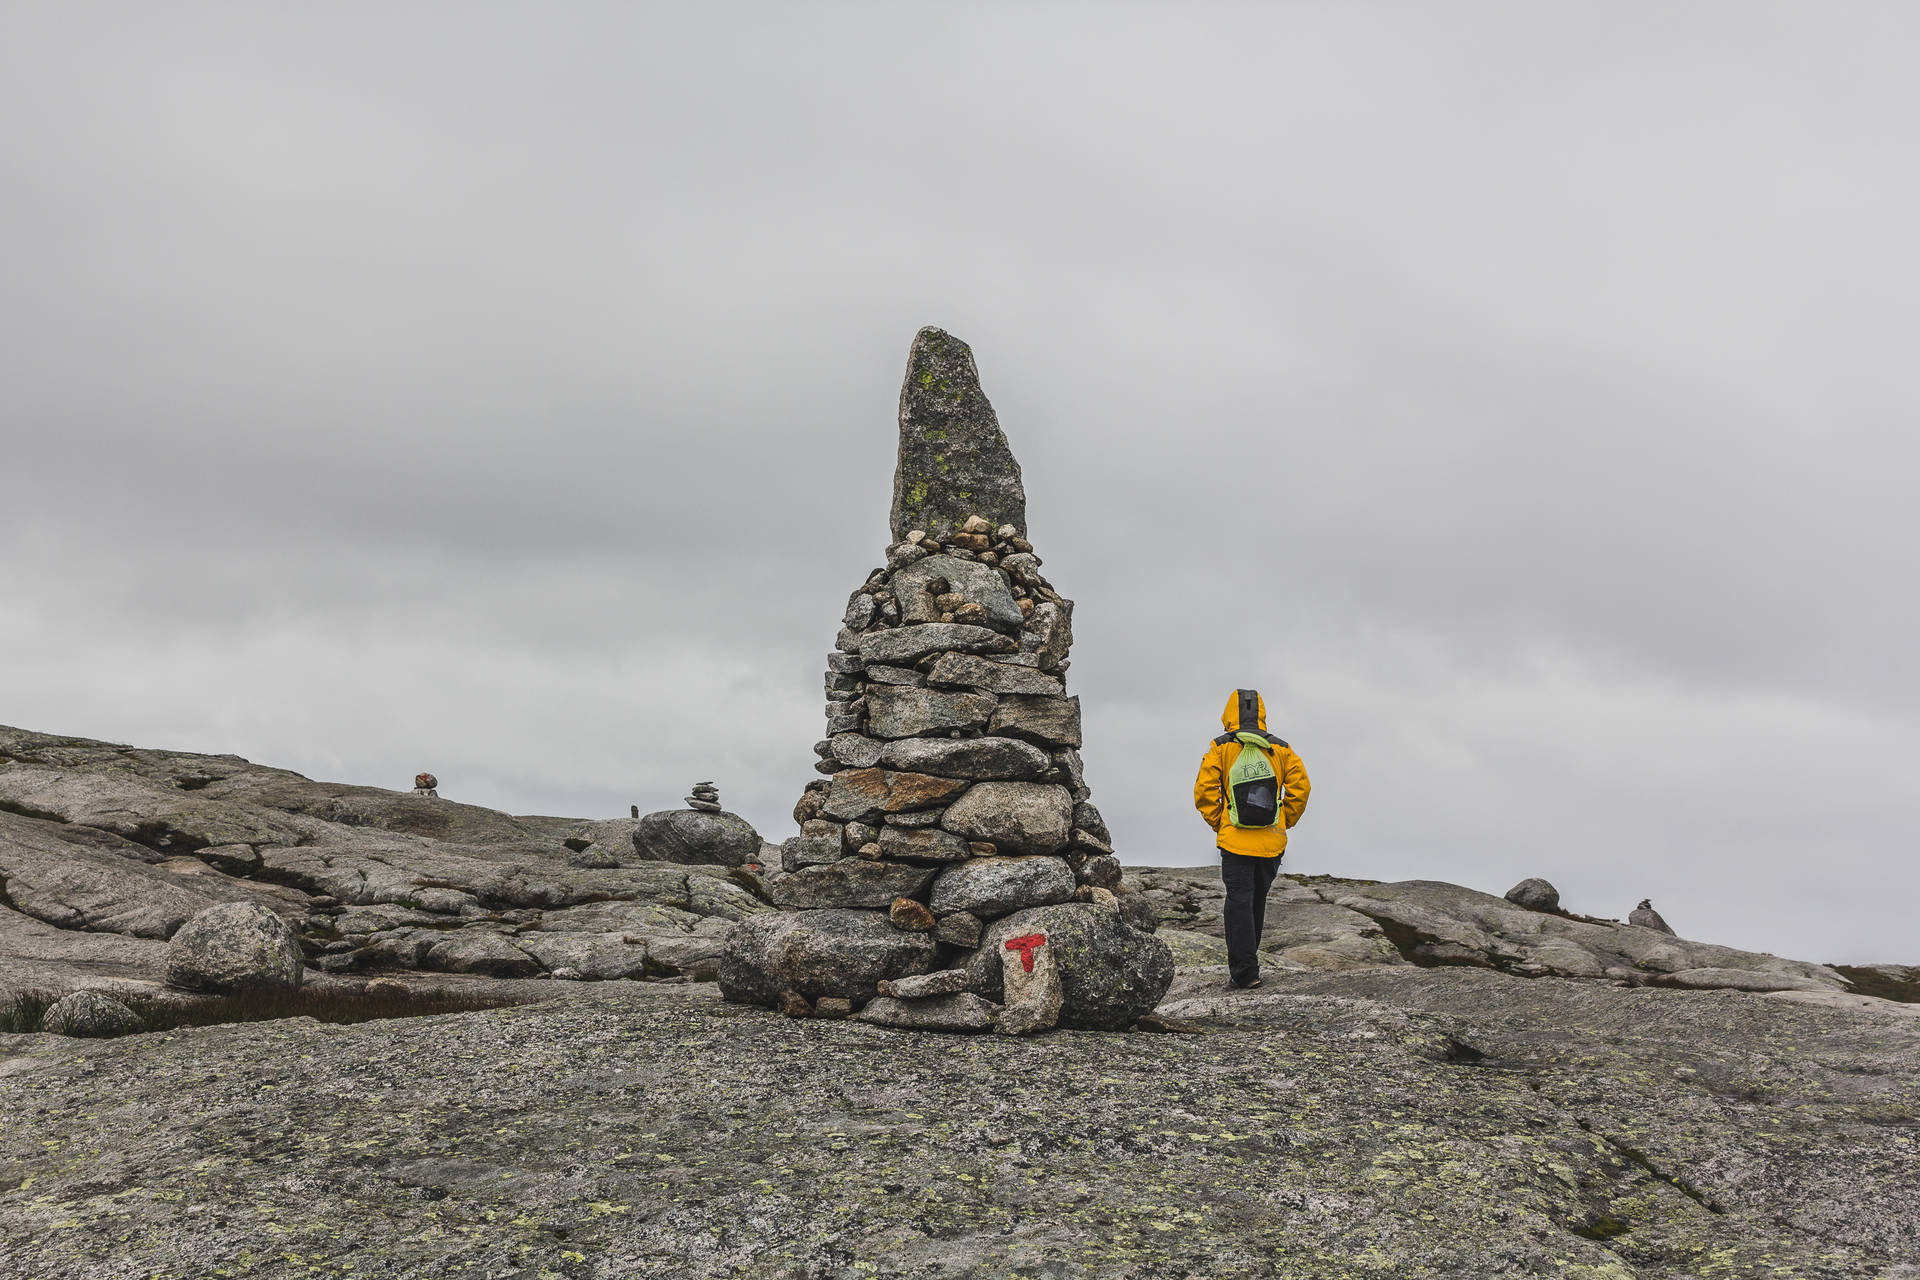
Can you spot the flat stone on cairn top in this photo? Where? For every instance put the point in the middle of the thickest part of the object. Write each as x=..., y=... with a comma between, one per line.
x=955, y=795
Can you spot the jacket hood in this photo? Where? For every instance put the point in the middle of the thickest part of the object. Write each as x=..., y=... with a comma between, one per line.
x=1231, y=719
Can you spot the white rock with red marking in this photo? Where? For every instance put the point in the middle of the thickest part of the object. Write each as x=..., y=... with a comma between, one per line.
x=1031, y=981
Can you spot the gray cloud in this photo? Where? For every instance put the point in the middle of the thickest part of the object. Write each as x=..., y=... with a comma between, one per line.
x=509, y=393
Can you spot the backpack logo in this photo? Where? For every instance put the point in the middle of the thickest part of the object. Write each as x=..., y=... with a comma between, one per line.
x=1253, y=789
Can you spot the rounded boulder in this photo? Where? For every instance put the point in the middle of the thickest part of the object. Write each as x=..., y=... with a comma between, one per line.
x=89, y=1014
x=231, y=947
x=1534, y=894
x=1110, y=972
x=690, y=836
x=833, y=952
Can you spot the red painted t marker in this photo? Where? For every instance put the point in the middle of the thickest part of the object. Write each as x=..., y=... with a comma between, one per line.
x=1026, y=946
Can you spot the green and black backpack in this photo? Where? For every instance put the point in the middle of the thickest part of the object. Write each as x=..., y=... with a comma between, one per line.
x=1253, y=789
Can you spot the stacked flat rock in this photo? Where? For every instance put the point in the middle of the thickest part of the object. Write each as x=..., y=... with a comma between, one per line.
x=705, y=798
x=954, y=801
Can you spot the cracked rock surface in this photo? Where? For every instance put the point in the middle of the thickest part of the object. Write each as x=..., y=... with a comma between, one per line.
x=1388, y=1123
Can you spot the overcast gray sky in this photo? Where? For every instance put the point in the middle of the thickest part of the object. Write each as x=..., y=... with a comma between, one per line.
x=1522, y=396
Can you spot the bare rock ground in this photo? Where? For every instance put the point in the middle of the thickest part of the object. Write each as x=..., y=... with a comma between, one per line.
x=106, y=850
x=1389, y=1123
x=1434, y=1082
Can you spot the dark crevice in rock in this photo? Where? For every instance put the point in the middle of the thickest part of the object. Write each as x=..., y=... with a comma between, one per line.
x=162, y=837
x=28, y=811
x=1868, y=982
x=1635, y=1156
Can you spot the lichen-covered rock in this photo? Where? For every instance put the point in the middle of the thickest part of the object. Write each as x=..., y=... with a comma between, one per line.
x=989, y=887
x=819, y=953
x=91, y=1015
x=852, y=882
x=1110, y=972
x=953, y=461
x=690, y=836
x=1015, y=817
x=234, y=947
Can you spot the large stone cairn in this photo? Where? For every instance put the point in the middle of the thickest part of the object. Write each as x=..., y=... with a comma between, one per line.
x=954, y=821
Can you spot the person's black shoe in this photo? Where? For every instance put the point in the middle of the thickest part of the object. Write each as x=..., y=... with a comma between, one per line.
x=1248, y=986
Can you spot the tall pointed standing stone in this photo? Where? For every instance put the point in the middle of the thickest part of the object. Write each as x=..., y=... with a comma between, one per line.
x=954, y=461
x=954, y=827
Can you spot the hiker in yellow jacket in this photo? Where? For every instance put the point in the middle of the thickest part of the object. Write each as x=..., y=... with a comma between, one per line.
x=1251, y=789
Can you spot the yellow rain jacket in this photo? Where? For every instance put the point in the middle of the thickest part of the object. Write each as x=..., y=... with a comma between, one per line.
x=1209, y=789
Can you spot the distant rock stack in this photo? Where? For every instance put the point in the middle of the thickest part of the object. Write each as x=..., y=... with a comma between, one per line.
x=425, y=784
x=954, y=830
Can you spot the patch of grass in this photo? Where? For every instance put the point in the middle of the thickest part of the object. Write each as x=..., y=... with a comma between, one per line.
x=1603, y=1227
x=23, y=1012
x=324, y=1004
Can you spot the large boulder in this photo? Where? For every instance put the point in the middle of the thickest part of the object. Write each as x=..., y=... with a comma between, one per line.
x=1016, y=817
x=1110, y=972
x=953, y=461
x=233, y=947
x=978, y=759
x=89, y=1014
x=819, y=953
x=1535, y=894
x=690, y=836
x=990, y=887
x=852, y=882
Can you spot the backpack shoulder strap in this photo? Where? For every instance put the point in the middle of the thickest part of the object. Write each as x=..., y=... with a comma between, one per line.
x=1224, y=739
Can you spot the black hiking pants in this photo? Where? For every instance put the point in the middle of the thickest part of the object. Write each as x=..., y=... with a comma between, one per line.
x=1247, y=881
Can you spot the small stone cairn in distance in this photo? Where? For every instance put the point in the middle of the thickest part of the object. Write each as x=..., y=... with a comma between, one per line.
x=425, y=784
x=702, y=832
x=952, y=872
